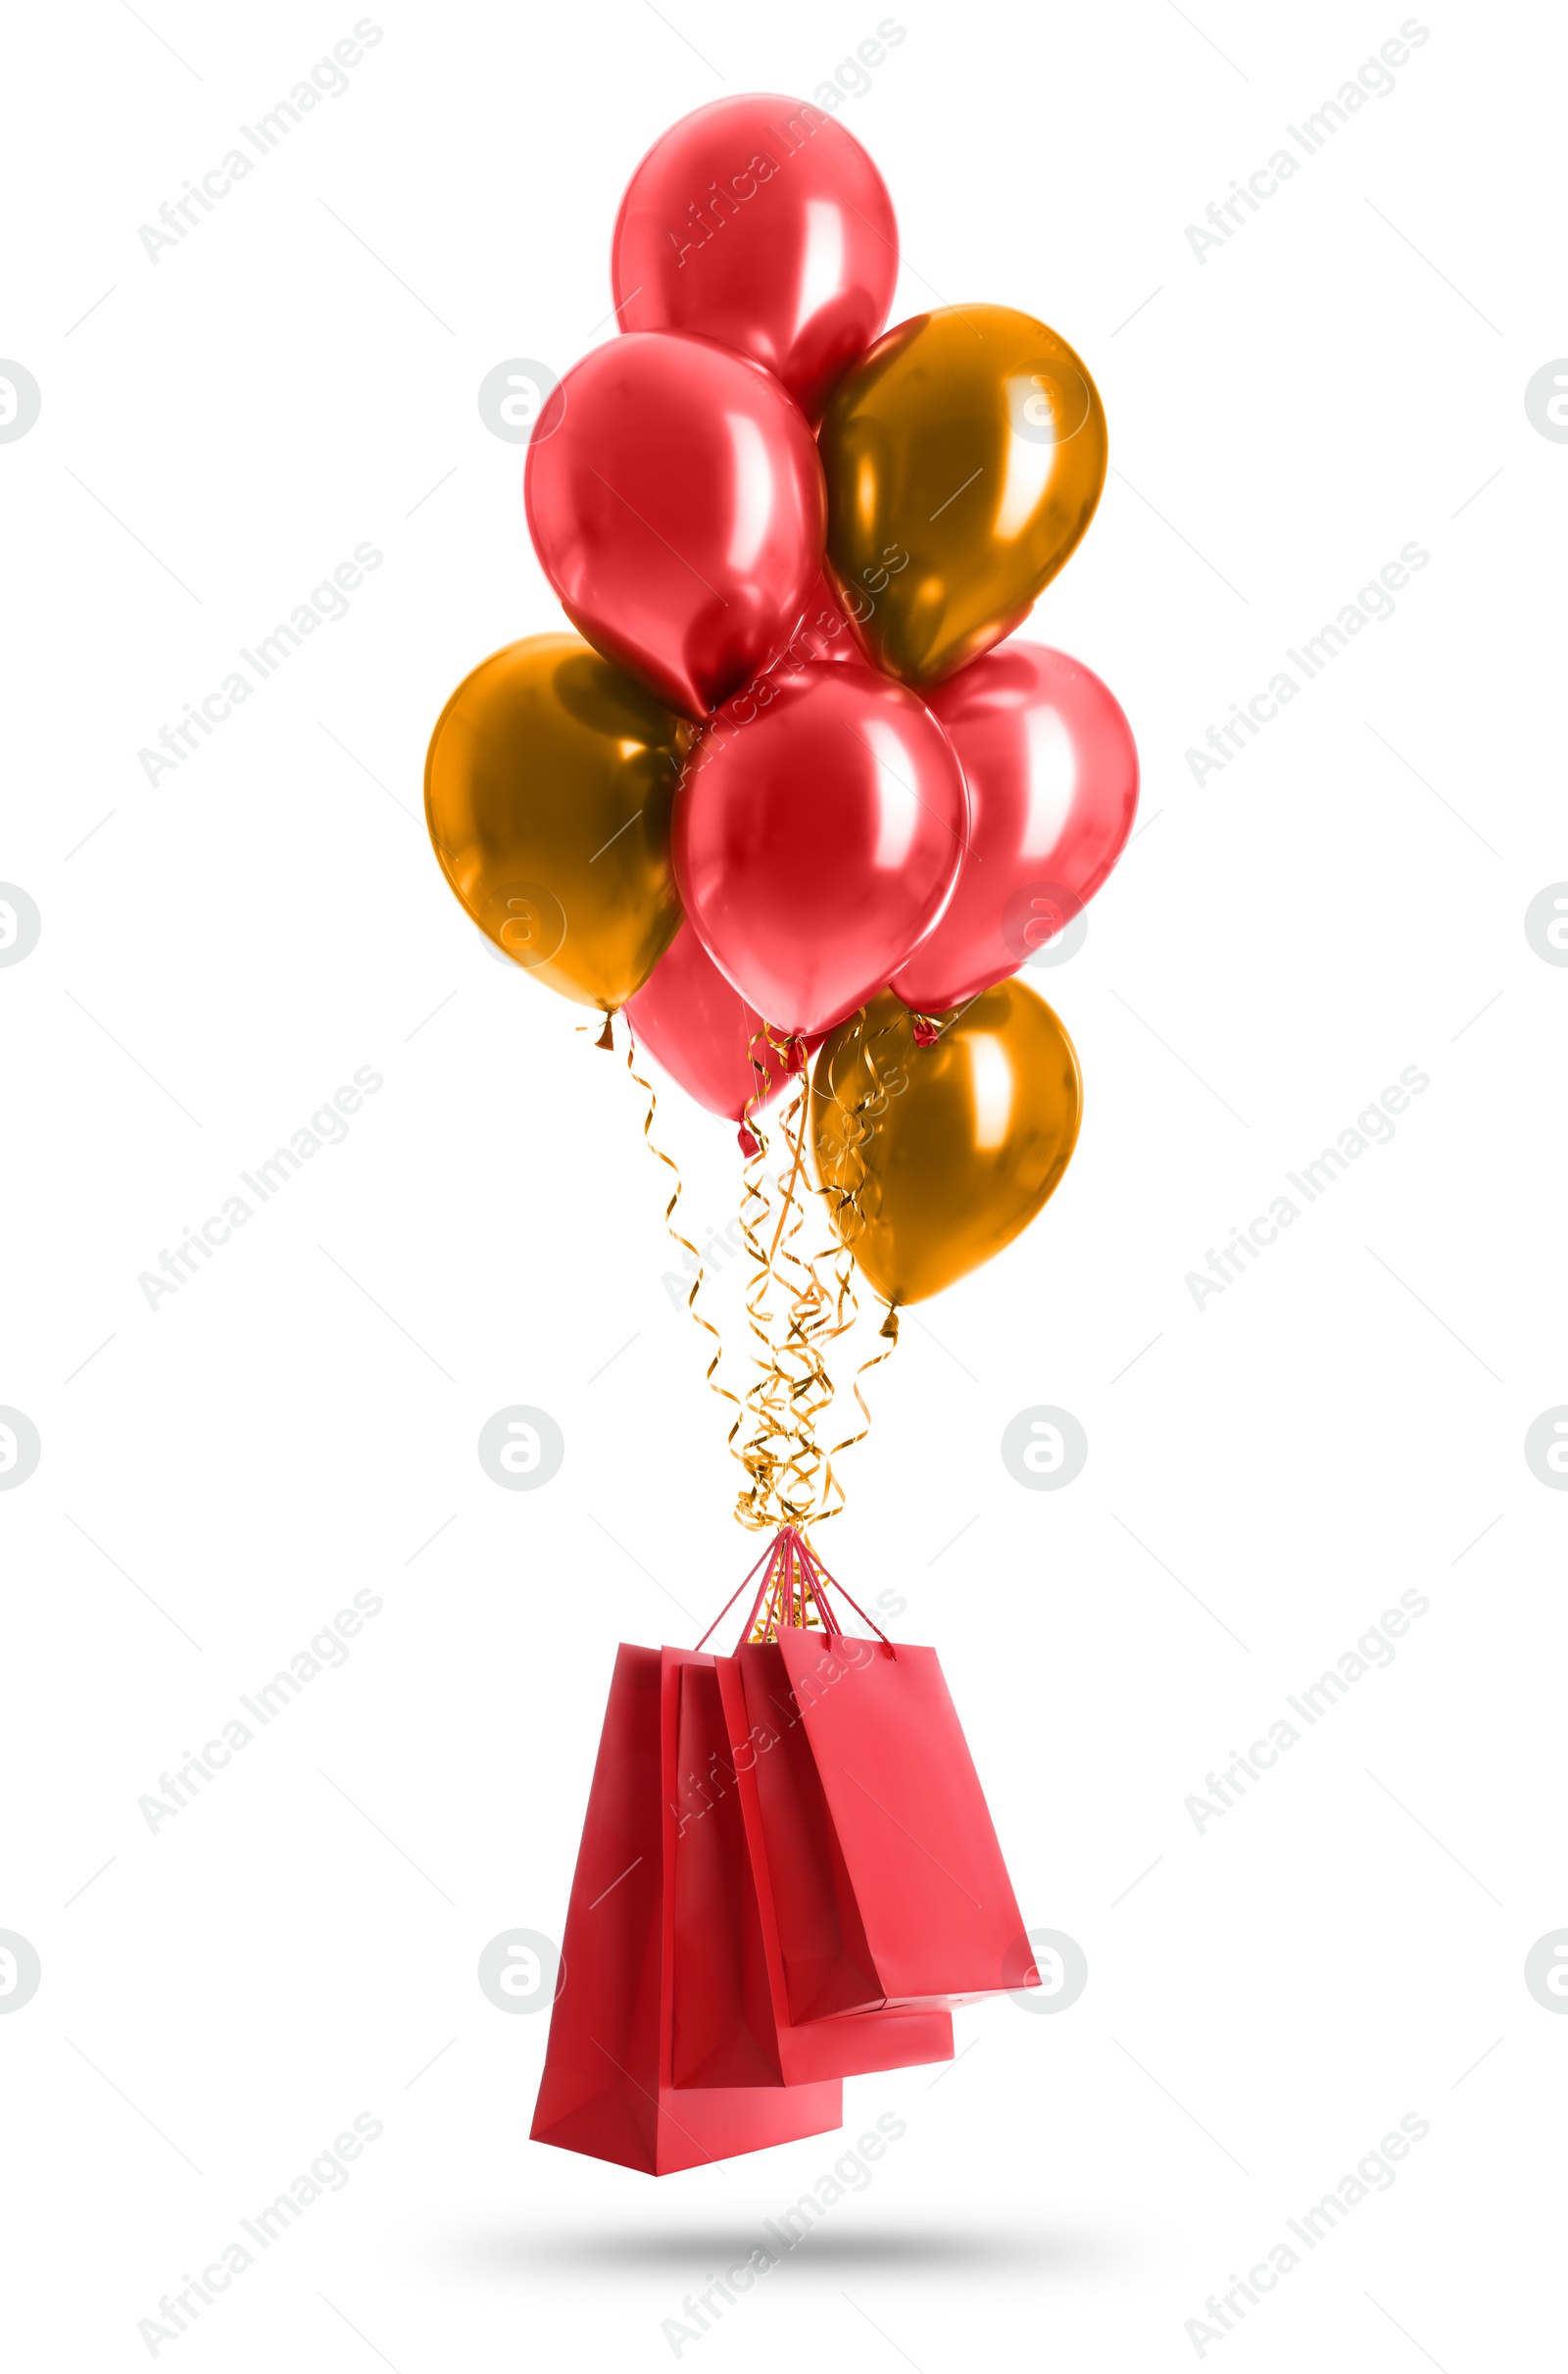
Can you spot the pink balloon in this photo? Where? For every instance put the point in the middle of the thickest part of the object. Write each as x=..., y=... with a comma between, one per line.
x=678, y=508
x=763, y=223
x=1053, y=775
x=817, y=845
x=700, y=1029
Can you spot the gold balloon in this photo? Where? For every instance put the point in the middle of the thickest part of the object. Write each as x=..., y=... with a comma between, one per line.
x=964, y=456
x=935, y=1157
x=548, y=792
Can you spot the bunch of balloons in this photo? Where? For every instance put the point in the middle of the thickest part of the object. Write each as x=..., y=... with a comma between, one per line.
x=789, y=789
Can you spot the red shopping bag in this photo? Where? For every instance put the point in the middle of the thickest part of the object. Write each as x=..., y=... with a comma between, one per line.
x=731, y=2015
x=608, y=2087
x=871, y=1836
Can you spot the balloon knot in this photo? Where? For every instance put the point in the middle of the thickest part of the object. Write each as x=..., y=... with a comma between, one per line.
x=890, y=1325
x=794, y=1054
x=746, y=1143
x=606, y=1038
x=926, y=1032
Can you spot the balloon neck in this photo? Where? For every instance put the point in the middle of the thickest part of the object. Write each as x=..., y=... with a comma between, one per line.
x=607, y=1037
x=746, y=1143
x=794, y=1055
x=890, y=1325
x=926, y=1032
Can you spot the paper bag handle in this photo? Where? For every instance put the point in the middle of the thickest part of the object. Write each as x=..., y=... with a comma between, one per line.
x=791, y=1574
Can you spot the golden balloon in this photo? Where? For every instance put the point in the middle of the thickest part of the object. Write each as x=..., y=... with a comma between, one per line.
x=548, y=792
x=932, y=1158
x=964, y=456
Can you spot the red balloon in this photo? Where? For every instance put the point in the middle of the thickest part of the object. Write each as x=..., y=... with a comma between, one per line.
x=702, y=1030
x=763, y=223
x=1052, y=774
x=823, y=636
x=678, y=508
x=825, y=632
x=816, y=846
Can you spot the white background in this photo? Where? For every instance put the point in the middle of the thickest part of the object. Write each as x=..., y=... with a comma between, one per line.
x=1265, y=1998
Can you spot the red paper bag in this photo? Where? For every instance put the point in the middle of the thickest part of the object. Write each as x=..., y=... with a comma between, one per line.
x=873, y=1840
x=608, y=2088
x=935, y=1905
x=825, y=1956
x=732, y=2023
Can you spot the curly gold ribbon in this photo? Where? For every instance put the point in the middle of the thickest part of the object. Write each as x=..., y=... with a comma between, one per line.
x=685, y=1242
x=848, y=1215
x=792, y=1480
x=790, y=1387
x=793, y=1312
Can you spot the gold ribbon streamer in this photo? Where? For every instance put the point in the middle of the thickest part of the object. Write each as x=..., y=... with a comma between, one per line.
x=849, y=1218
x=792, y=1386
x=685, y=1242
x=791, y=1480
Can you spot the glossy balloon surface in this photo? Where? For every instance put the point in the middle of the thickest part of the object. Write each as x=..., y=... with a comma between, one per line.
x=676, y=503
x=825, y=632
x=965, y=458
x=935, y=1157
x=700, y=1029
x=548, y=791
x=761, y=222
x=1053, y=775
x=818, y=844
